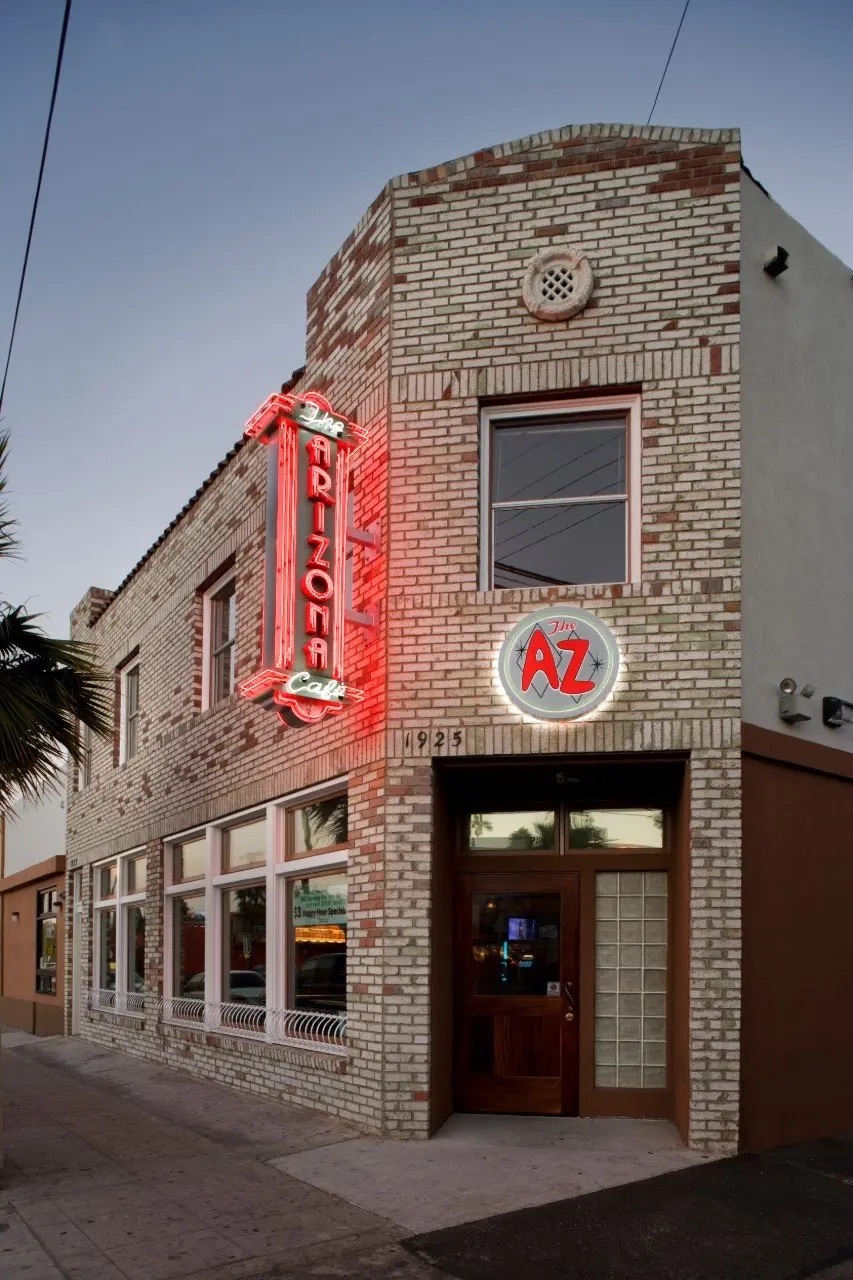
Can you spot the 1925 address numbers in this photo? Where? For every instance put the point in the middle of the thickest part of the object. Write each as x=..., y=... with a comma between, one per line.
x=435, y=740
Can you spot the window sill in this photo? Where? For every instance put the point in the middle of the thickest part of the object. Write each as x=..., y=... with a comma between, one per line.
x=334, y=1059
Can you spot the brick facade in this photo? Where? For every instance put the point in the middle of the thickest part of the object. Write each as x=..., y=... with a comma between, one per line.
x=415, y=322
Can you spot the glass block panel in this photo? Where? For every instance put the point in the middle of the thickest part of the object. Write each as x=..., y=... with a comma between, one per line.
x=631, y=979
x=515, y=830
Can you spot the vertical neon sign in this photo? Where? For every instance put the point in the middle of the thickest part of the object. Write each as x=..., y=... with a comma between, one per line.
x=302, y=662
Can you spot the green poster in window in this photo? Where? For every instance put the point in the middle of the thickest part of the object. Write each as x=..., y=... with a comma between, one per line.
x=316, y=905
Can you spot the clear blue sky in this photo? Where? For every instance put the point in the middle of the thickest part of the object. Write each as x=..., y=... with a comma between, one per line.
x=166, y=291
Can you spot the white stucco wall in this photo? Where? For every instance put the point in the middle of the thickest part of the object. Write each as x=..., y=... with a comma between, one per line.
x=36, y=832
x=797, y=450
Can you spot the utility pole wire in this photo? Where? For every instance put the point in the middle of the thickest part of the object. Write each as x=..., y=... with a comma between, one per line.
x=668, y=61
x=61, y=51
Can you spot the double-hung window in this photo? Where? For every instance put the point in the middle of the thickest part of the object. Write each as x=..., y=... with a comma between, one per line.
x=256, y=922
x=560, y=494
x=84, y=765
x=129, y=728
x=119, y=934
x=220, y=641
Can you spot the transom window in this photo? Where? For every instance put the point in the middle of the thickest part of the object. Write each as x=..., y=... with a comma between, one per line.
x=559, y=483
x=546, y=831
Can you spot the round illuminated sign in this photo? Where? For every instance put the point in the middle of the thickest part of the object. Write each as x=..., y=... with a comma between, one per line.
x=559, y=663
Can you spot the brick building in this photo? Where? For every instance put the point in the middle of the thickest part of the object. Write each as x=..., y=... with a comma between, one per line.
x=503, y=880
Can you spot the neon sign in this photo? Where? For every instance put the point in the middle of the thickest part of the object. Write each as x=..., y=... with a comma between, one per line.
x=558, y=663
x=302, y=664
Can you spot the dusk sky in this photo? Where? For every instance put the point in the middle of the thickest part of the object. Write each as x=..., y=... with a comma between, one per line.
x=208, y=157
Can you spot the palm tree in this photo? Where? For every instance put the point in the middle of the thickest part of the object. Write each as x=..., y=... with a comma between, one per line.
x=48, y=688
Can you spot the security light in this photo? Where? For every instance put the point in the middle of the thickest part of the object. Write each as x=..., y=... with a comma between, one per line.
x=789, y=709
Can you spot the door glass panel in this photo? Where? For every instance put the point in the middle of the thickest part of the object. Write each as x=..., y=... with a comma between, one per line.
x=516, y=943
x=516, y=830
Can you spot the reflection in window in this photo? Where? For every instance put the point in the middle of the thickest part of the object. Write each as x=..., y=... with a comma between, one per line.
x=136, y=871
x=518, y=830
x=46, y=943
x=559, y=500
x=135, y=939
x=244, y=846
x=321, y=825
x=190, y=859
x=189, y=929
x=107, y=880
x=107, y=949
x=245, y=917
x=516, y=943
x=617, y=829
x=318, y=918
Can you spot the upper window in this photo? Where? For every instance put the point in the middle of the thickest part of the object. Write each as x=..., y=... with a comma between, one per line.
x=559, y=485
x=220, y=635
x=129, y=713
x=84, y=766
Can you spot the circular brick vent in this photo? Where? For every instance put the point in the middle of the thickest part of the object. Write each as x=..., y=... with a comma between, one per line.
x=557, y=284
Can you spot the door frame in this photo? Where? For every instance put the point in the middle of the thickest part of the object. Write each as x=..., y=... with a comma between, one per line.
x=566, y=883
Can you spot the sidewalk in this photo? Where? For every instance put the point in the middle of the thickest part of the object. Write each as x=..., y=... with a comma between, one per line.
x=120, y=1170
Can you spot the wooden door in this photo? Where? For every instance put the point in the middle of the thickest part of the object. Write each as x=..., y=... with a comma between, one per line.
x=516, y=984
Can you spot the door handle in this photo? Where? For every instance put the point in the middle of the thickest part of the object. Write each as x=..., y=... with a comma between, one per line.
x=570, y=1016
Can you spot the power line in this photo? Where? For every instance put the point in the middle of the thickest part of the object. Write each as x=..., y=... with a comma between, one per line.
x=669, y=59
x=59, y=55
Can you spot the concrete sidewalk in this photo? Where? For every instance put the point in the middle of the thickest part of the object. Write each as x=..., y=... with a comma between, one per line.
x=120, y=1170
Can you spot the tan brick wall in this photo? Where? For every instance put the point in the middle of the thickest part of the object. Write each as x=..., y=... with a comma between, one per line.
x=415, y=322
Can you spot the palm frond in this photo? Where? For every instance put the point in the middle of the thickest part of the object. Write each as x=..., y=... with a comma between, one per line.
x=8, y=526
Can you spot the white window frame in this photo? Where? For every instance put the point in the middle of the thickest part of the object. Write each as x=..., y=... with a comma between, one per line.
x=630, y=405
x=208, y=603
x=118, y=902
x=126, y=673
x=274, y=874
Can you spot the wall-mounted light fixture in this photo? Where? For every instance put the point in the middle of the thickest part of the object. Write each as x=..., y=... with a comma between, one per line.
x=837, y=712
x=790, y=702
x=16, y=916
x=777, y=262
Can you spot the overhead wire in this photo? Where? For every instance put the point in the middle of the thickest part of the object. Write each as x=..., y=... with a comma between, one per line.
x=59, y=57
x=669, y=60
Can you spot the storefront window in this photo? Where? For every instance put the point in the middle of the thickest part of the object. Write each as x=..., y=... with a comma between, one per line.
x=244, y=846
x=190, y=859
x=189, y=930
x=319, y=826
x=107, y=956
x=46, y=943
x=520, y=829
x=135, y=937
x=616, y=829
x=630, y=979
x=318, y=920
x=245, y=919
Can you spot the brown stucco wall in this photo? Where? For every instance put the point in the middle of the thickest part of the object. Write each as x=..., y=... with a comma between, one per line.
x=20, y=1005
x=797, y=1035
